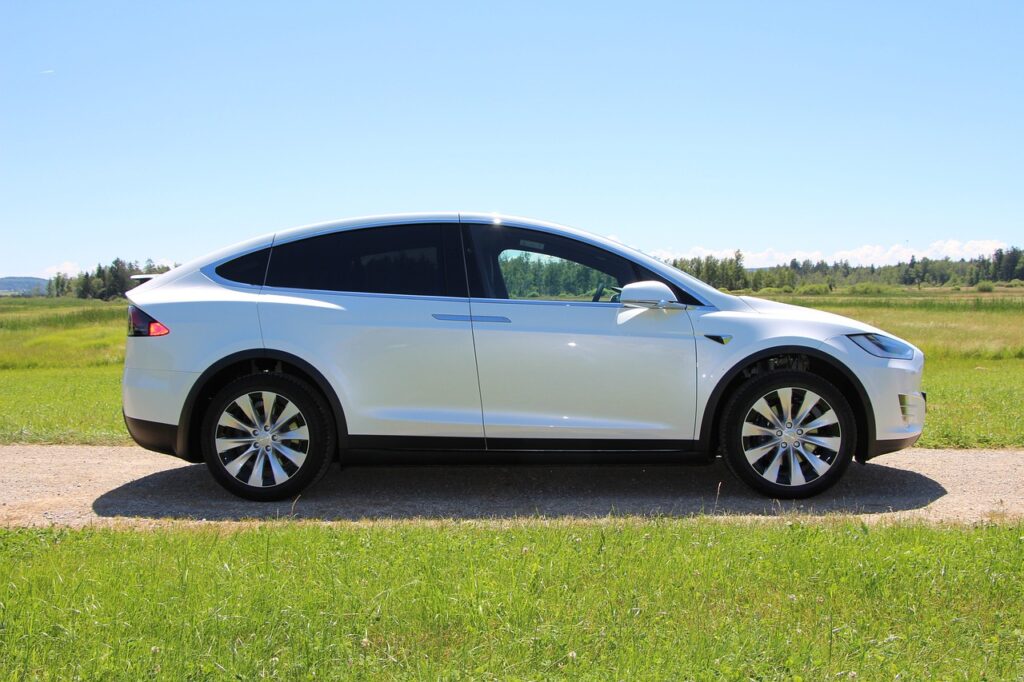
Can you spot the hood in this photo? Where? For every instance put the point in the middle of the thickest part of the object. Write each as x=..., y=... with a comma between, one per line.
x=838, y=323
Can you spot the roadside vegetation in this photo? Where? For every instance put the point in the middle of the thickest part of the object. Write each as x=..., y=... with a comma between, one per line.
x=60, y=371
x=619, y=599
x=60, y=362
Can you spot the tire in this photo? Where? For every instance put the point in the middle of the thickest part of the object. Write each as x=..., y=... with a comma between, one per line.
x=267, y=464
x=773, y=451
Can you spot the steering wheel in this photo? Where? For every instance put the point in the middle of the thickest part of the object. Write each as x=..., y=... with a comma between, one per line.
x=597, y=294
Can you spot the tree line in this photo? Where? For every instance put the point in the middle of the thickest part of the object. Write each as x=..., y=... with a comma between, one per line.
x=530, y=276
x=526, y=277
x=105, y=282
x=1004, y=265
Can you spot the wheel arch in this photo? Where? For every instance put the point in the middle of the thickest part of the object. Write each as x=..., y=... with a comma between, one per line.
x=817, y=362
x=245, y=363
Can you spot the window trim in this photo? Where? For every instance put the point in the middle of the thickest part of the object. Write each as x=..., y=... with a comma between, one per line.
x=266, y=267
x=210, y=269
x=362, y=294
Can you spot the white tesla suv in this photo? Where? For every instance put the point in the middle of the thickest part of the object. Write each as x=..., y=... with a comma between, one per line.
x=483, y=334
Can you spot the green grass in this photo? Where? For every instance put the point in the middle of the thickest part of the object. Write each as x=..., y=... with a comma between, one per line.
x=76, y=405
x=60, y=371
x=942, y=326
x=973, y=403
x=660, y=599
x=55, y=333
x=60, y=363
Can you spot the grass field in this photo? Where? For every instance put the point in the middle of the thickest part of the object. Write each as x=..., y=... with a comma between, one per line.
x=60, y=364
x=60, y=371
x=691, y=599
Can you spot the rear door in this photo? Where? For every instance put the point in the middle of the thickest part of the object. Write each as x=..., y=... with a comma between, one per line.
x=560, y=360
x=383, y=313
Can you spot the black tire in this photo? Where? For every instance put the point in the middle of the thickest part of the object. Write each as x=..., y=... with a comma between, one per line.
x=740, y=414
x=313, y=416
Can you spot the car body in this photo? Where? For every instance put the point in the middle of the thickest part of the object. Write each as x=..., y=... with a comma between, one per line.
x=478, y=333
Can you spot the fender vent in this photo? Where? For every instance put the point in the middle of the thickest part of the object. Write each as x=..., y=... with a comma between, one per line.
x=720, y=338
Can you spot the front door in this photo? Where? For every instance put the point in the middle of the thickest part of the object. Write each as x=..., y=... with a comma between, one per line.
x=559, y=358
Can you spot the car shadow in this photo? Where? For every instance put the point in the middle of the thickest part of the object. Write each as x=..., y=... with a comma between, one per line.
x=496, y=491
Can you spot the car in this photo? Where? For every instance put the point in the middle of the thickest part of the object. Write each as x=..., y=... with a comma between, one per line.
x=483, y=334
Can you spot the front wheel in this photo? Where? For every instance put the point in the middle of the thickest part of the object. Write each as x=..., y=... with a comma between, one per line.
x=788, y=434
x=267, y=437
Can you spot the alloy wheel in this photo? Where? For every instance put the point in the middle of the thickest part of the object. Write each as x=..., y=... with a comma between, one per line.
x=262, y=439
x=791, y=436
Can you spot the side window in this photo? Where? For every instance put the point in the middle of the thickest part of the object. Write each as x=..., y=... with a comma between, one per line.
x=528, y=274
x=401, y=259
x=513, y=263
x=248, y=269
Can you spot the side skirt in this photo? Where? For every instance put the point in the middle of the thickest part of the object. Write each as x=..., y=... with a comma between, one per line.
x=454, y=450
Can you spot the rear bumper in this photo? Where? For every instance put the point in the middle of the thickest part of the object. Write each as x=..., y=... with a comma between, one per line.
x=153, y=435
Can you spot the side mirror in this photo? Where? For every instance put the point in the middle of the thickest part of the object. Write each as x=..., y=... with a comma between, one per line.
x=649, y=294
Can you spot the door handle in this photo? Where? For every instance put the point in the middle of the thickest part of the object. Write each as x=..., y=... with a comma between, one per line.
x=470, y=318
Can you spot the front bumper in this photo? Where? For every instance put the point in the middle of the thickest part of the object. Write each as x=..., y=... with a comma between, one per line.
x=893, y=388
x=881, y=447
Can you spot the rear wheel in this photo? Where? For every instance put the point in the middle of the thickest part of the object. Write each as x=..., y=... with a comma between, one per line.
x=788, y=434
x=267, y=437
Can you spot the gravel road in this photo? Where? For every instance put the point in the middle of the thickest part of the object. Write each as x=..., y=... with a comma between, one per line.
x=75, y=485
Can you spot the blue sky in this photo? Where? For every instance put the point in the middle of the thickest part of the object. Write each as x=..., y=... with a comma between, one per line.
x=864, y=130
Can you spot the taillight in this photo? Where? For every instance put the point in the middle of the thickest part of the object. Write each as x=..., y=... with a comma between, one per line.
x=141, y=324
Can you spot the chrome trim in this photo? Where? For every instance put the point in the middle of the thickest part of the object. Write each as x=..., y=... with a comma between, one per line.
x=655, y=305
x=517, y=301
x=362, y=294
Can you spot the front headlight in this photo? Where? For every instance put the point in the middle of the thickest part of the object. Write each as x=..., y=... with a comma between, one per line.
x=884, y=346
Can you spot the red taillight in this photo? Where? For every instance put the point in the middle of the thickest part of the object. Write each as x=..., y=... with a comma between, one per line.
x=157, y=329
x=142, y=324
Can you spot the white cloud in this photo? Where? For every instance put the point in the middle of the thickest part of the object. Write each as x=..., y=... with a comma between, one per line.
x=868, y=254
x=67, y=267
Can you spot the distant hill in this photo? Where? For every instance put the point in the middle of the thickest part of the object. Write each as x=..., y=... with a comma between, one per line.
x=22, y=285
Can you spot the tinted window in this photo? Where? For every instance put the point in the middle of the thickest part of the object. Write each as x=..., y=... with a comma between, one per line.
x=406, y=259
x=528, y=274
x=514, y=263
x=247, y=269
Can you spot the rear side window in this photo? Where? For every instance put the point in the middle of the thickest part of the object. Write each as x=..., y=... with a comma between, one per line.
x=403, y=259
x=248, y=269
